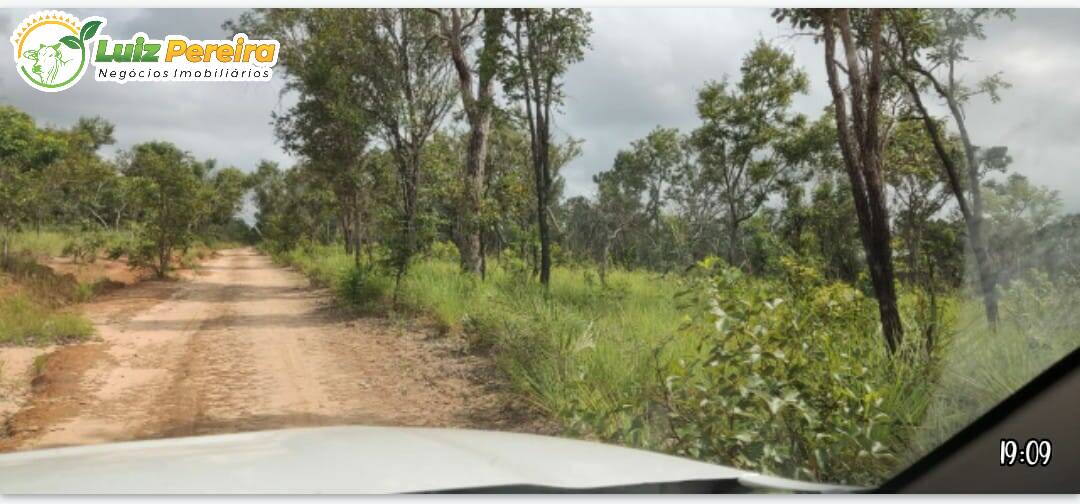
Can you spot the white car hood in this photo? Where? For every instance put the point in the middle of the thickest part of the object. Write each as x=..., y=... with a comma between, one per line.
x=355, y=460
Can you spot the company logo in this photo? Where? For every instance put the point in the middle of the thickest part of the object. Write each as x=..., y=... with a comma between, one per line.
x=53, y=49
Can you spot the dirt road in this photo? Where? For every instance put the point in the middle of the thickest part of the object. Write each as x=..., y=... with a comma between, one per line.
x=247, y=345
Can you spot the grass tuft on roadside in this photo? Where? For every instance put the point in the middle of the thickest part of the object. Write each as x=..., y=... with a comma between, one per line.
x=25, y=322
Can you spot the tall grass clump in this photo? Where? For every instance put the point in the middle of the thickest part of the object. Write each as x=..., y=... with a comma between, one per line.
x=24, y=322
x=81, y=245
x=1040, y=323
x=362, y=286
x=40, y=243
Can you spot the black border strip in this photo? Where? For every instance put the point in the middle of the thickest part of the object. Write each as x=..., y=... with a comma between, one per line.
x=987, y=421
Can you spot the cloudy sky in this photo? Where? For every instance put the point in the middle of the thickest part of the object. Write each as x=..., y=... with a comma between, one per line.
x=643, y=70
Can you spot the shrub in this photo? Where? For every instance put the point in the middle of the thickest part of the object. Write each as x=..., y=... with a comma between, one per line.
x=84, y=247
x=792, y=379
x=363, y=287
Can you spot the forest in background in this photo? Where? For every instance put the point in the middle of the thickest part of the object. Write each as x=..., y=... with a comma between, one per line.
x=822, y=298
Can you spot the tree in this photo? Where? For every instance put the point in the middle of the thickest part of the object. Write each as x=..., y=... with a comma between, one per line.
x=24, y=150
x=458, y=28
x=229, y=186
x=860, y=136
x=744, y=127
x=930, y=45
x=168, y=195
x=405, y=78
x=329, y=125
x=918, y=194
x=631, y=196
x=545, y=43
x=1017, y=210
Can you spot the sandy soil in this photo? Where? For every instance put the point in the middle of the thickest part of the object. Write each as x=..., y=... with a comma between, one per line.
x=246, y=345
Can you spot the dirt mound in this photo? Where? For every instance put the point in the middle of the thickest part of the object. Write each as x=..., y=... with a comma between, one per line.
x=40, y=282
x=56, y=388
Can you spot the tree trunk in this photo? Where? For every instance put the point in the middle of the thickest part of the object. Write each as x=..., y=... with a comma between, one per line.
x=357, y=231
x=733, y=237
x=468, y=221
x=860, y=147
x=972, y=214
x=543, y=228
x=478, y=109
x=164, y=257
x=410, y=179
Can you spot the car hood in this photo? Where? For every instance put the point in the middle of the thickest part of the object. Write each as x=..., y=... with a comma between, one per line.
x=359, y=460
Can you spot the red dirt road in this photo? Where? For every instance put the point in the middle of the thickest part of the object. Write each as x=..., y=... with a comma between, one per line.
x=247, y=345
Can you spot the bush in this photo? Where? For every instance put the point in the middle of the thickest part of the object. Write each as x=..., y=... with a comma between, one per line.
x=84, y=247
x=363, y=287
x=792, y=378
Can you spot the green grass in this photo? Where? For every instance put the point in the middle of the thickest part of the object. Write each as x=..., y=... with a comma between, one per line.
x=38, y=243
x=52, y=241
x=595, y=357
x=24, y=322
x=982, y=368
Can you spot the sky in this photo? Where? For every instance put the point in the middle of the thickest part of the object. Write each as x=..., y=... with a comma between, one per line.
x=643, y=70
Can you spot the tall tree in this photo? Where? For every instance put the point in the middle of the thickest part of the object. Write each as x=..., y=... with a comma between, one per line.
x=930, y=46
x=406, y=78
x=545, y=43
x=860, y=136
x=631, y=196
x=327, y=125
x=918, y=194
x=476, y=86
x=1017, y=210
x=744, y=127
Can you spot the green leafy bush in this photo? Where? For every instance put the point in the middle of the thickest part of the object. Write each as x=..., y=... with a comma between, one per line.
x=792, y=379
x=84, y=247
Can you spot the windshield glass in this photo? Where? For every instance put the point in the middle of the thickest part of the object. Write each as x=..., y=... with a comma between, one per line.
x=804, y=243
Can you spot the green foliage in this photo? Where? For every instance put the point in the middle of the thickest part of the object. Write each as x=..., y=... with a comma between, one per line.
x=1040, y=324
x=783, y=374
x=84, y=247
x=40, y=243
x=25, y=322
x=363, y=287
x=791, y=379
x=171, y=197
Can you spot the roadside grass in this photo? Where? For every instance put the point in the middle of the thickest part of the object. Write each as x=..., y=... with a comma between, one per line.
x=56, y=242
x=599, y=359
x=25, y=322
x=1040, y=324
x=34, y=298
x=38, y=243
